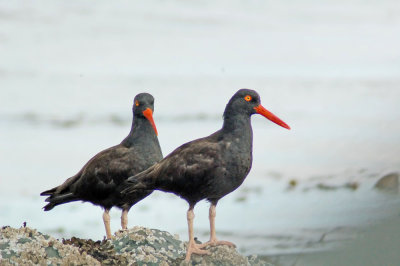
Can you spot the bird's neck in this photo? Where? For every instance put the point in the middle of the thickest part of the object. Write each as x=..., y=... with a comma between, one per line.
x=141, y=129
x=238, y=126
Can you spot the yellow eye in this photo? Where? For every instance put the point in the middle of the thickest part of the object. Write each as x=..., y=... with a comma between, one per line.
x=137, y=103
x=247, y=98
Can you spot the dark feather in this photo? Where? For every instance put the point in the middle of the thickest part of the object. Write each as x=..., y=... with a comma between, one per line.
x=210, y=167
x=99, y=179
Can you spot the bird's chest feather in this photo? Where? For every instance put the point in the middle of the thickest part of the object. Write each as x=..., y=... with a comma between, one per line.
x=236, y=160
x=145, y=156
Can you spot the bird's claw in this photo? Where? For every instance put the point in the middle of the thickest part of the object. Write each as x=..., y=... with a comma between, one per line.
x=215, y=242
x=194, y=248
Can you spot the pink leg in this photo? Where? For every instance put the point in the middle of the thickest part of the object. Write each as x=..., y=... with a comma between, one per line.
x=213, y=237
x=124, y=220
x=192, y=246
x=106, y=220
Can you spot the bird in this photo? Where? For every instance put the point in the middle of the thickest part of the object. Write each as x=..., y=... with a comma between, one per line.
x=98, y=180
x=208, y=168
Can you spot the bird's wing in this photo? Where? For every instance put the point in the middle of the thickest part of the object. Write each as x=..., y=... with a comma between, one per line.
x=105, y=171
x=101, y=173
x=63, y=187
x=187, y=164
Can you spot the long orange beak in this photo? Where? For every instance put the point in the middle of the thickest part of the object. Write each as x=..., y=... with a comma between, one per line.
x=149, y=116
x=267, y=114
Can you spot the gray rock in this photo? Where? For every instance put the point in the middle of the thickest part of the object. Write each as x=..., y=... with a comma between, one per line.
x=26, y=246
x=136, y=246
x=388, y=183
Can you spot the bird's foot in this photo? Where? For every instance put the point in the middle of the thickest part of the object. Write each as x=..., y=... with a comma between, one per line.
x=194, y=248
x=216, y=242
x=108, y=238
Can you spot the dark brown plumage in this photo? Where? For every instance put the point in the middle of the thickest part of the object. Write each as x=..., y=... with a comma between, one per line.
x=211, y=167
x=98, y=180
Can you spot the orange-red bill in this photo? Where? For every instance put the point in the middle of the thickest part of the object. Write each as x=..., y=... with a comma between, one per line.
x=267, y=114
x=149, y=116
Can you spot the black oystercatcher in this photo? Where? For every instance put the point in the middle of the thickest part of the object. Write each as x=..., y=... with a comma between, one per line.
x=211, y=167
x=99, y=178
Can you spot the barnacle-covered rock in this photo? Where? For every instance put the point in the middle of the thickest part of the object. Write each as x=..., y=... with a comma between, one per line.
x=26, y=246
x=136, y=246
x=148, y=246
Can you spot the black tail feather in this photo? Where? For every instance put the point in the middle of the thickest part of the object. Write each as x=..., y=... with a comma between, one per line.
x=58, y=200
x=141, y=181
x=48, y=192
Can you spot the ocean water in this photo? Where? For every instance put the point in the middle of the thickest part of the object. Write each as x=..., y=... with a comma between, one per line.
x=69, y=72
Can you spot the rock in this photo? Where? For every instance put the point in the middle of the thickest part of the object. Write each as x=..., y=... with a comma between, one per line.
x=136, y=246
x=327, y=187
x=26, y=246
x=292, y=184
x=388, y=183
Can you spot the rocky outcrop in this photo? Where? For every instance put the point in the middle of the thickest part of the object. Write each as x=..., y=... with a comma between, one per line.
x=388, y=183
x=26, y=246
x=136, y=246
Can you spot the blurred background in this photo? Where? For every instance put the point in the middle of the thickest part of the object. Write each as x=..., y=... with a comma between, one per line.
x=330, y=69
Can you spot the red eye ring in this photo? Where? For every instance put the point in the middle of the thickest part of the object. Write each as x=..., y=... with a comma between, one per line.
x=137, y=103
x=247, y=98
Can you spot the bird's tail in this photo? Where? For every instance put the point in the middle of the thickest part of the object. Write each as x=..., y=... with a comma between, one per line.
x=143, y=181
x=57, y=200
x=49, y=192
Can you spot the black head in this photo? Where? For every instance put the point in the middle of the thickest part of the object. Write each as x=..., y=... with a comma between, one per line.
x=243, y=102
x=143, y=106
x=247, y=102
x=141, y=102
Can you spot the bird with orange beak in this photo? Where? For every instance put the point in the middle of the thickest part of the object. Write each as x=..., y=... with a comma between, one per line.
x=98, y=180
x=211, y=167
